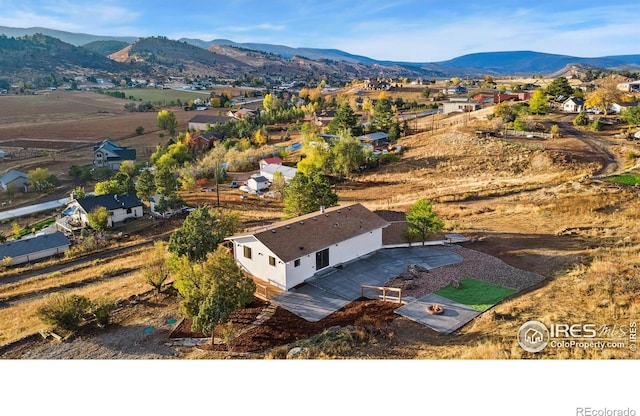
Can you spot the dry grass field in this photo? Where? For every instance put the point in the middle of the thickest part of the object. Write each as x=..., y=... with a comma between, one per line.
x=532, y=203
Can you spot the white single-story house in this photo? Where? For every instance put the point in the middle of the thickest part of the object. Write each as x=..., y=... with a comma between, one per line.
x=258, y=183
x=459, y=105
x=35, y=248
x=15, y=179
x=121, y=208
x=269, y=171
x=619, y=108
x=287, y=253
x=573, y=105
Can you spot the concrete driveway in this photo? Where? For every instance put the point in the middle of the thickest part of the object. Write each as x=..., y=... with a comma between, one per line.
x=330, y=290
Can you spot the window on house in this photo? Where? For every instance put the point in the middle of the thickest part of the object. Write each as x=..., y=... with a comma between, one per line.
x=322, y=259
x=128, y=210
x=296, y=263
x=247, y=252
x=272, y=261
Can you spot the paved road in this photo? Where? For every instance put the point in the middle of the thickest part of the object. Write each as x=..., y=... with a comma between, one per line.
x=32, y=209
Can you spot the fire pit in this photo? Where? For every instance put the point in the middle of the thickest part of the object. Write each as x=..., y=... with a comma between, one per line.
x=435, y=309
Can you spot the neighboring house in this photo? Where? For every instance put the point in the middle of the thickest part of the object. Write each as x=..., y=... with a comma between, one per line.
x=204, y=141
x=152, y=207
x=268, y=171
x=633, y=86
x=290, y=252
x=324, y=117
x=242, y=113
x=454, y=89
x=573, y=105
x=121, y=208
x=377, y=140
x=109, y=155
x=619, y=108
x=460, y=105
x=35, y=248
x=257, y=183
x=375, y=85
x=14, y=179
x=202, y=122
x=2, y=154
x=270, y=161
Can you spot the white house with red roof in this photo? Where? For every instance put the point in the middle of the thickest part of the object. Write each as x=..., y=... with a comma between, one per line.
x=287, y=253
x=270, y=161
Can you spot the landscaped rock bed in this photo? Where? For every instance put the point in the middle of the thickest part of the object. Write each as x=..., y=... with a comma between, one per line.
x=418, y=283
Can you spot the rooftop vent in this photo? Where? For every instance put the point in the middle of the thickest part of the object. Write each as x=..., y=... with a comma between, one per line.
x=301, y=222
x=315, y=218
x=287, y=226
x=273, y=231
x=338, y=211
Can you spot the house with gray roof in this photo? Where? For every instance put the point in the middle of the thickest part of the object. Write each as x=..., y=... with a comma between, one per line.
x=289, y=252
x=202, y=121
x=107, y=154
x=121, y=208
x=14, y=179
x=31, y=249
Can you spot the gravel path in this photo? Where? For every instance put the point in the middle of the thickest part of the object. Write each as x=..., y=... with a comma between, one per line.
x=478, y=265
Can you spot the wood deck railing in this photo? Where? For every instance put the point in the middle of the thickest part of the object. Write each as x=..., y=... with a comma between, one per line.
x=384, y=293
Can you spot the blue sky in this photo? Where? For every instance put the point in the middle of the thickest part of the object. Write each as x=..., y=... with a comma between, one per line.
x=400, y=30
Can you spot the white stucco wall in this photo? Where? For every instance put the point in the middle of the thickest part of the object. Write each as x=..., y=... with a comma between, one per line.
x=258, y=265
x=120, y=214
x=286, y=276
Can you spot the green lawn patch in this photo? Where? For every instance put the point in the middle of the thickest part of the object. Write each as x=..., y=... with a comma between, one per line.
x=626, y=179
x=476, y=294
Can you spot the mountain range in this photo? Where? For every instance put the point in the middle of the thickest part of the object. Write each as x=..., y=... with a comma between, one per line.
x=224, y=58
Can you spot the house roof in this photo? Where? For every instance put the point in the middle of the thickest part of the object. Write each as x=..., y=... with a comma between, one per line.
x=259, y=178
x=25, y=246
x=12, y=175
x=272, y=160
x=109, y=201
x=300, y=236
x=211, y=135
x=287, y=171
x=203, y=118
x=575, y=100
x=379, y=135
x=122, y=153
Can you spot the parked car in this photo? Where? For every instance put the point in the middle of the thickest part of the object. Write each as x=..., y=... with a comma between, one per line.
x=234, y=184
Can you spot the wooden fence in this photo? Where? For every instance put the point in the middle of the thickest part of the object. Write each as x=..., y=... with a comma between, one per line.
x=384, y=293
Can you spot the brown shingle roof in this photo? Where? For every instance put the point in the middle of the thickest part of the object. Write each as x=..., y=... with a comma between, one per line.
x=297, y=237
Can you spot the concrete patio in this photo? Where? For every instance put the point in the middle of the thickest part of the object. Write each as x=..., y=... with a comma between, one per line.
x=331, y=290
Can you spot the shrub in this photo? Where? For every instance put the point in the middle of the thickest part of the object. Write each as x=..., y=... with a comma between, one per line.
x=631, y=155
x=64, y=312
x=596, y=125
x=139, y=130
x=581, y=120
x=101, y=309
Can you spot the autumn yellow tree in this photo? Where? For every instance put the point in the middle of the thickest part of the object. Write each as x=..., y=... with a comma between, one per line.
x=603, y=97
x=260, y=137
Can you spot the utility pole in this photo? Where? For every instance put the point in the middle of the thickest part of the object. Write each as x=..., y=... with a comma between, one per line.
x=217, y=182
